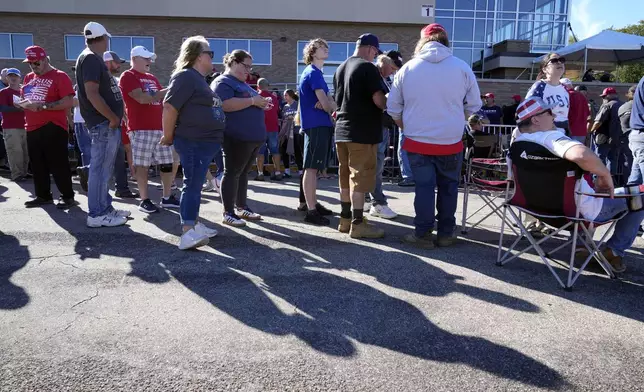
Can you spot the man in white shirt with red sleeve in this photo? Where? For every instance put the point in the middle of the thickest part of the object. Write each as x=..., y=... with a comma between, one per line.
x=143, y=96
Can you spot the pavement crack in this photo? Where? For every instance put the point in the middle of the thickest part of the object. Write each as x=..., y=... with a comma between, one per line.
x=68, y=264
x=68, y=326
x=85, y=300
x=44, y=258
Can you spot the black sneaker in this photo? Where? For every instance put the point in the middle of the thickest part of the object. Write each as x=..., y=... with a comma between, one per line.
x=323, y=210
x=260, y=177
x=314, y=217
x=64, y=204
x=302, y=207
x=38, y=202
x=82, y=176
x=170, y=202
x=127, y=194
x=147, y=206
x=276, y=177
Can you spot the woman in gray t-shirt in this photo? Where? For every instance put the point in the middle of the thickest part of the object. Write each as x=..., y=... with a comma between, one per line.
x=193, y=121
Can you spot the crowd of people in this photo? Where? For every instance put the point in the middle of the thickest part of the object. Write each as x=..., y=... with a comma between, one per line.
x=131, y=123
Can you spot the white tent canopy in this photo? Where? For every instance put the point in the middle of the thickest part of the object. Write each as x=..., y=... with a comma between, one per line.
x=606, y=47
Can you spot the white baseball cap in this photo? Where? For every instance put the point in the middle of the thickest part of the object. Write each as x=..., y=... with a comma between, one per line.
x=566, y=82
x=141, y=51
x=95, y=30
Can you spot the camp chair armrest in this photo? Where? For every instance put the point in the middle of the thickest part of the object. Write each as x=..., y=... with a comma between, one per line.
x=606, y=195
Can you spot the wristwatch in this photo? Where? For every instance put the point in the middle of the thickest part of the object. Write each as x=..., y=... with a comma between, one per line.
x=44, y=106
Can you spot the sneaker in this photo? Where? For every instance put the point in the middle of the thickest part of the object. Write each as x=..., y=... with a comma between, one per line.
x=323, y=210
x=64, y=204
x=121, y=213
x=444, y=242
x=82, y=177
x=406, y=182
x=216, y=182
x=316, y=218
x=192, y=239
x=424, y=242
x=260, y=177
x=302, y=207
x=248, y=214
x=365, y=230
x=200, y=228
x=209, y=186
x=616, y=263
x=170, y=202
x=147, y=206
x=106, y=220
x=345, y=225
x=382, y=211
x=276, y=177
x=535, y=230
x=287, y=175
x=38, y=202
x=233, y=220
x=367, y=198
x=126, y=194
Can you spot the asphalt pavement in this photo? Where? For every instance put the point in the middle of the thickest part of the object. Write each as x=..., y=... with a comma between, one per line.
x=285, y=306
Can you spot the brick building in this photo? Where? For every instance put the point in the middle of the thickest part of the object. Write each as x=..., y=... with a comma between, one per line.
x=274, y=32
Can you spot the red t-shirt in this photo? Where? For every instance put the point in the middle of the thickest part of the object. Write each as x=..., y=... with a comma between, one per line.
x=270, y=116
x=11, y=120
x=50, y=87
x=578, y=114
x=141, y=117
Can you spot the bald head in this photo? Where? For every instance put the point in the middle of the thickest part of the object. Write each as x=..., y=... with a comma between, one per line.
x=263, y=84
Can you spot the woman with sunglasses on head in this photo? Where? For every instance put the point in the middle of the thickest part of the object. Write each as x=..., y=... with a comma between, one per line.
x=244, y=134
x=550, y=89
x=193, y=121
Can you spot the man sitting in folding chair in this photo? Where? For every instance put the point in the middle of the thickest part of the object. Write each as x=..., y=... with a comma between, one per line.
x=544, y=162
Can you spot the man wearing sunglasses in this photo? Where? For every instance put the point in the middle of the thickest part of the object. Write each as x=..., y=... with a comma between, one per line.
x=47, y=95
x=101, y=105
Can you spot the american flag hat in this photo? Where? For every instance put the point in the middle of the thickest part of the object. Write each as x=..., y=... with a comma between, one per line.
x=531, y=107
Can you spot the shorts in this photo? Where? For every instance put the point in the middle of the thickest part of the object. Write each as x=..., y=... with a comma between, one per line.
x=357, y=166
x=147, y=151
x=317, y=147
x=272, y=141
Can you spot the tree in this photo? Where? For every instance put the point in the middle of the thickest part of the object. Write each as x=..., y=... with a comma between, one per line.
x=631, y=73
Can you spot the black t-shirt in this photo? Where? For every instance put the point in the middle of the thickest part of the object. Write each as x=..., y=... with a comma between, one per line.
x=358, y=119
x=493, y=113
x=509, y=113
x=91, y=68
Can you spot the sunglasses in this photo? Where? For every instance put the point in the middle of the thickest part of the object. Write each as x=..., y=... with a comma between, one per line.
x=209, y=53
x=558, y=60
x=549, y=111
x=35, y=64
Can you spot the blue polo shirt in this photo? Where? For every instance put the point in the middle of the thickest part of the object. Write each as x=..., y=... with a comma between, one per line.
x=312, y=79
x=637, y=113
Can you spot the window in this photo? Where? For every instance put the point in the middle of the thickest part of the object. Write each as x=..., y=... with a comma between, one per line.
x=121, y=45
x=508, y=5
x=338, y=52
x=445, y=4
x=526, y=5
x=463, y=29
x=260, y=49
x=465, y=4
x=448, y=23
x=13, y=45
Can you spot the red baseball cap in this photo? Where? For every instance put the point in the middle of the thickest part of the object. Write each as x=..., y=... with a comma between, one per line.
x=608, y=91
x=431, y=29
x=34, y=53
x=517, y=98
x=489, y=95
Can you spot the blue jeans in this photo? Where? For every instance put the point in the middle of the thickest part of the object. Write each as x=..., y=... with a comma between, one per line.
x=625, y=229
x=105, y=143
x=84, y=142
x=195, y=156
x=636, y=145
x=377, y=196
x=403, y=160
x=609, y=155
x=431, y=171
x=272, y=141
x=120, y=169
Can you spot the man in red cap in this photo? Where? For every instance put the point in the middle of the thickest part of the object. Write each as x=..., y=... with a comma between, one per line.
x=492, y=111
x=607, y=131
x=47, y=95
x=510, y=111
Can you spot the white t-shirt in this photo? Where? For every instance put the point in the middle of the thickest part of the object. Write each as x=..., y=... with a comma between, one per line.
x=552, y=95
x=558, y=143
x=77, y=115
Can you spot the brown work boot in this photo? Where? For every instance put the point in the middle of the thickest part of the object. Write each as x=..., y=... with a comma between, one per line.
x=365, y=230
x=345, y=225
x=615, y=262
x=425, y=242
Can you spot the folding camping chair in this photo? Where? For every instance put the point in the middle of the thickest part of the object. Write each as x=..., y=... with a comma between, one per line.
x=487, y=178
x=560, y=211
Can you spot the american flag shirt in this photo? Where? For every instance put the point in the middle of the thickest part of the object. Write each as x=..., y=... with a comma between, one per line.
x=554, y=95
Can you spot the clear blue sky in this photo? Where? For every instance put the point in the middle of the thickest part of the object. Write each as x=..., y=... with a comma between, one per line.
x=589, y=17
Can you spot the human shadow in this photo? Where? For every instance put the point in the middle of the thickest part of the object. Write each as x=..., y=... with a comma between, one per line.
x=3, y=190
x=14, y=257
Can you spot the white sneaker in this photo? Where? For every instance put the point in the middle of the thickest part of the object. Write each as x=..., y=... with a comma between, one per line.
x=382, y=212
x=248, y=214
x=191, y=239
x=216, y=182
x=106, y=220
x=200, y=228
x=233, y=220
x=121, y=213
x=209, y=186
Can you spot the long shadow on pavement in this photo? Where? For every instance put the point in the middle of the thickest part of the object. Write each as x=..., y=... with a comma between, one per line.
x=14, y=257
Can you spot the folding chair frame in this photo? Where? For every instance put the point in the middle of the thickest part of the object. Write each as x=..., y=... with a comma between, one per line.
x=573, y=226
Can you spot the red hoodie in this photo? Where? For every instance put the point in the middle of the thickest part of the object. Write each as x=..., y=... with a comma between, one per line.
x=578, y=113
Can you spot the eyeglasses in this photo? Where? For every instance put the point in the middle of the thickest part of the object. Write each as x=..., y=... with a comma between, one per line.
x=209, y=53
x=558, y=60
x=248, y=67
x=549, y=111
x=35, y=64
